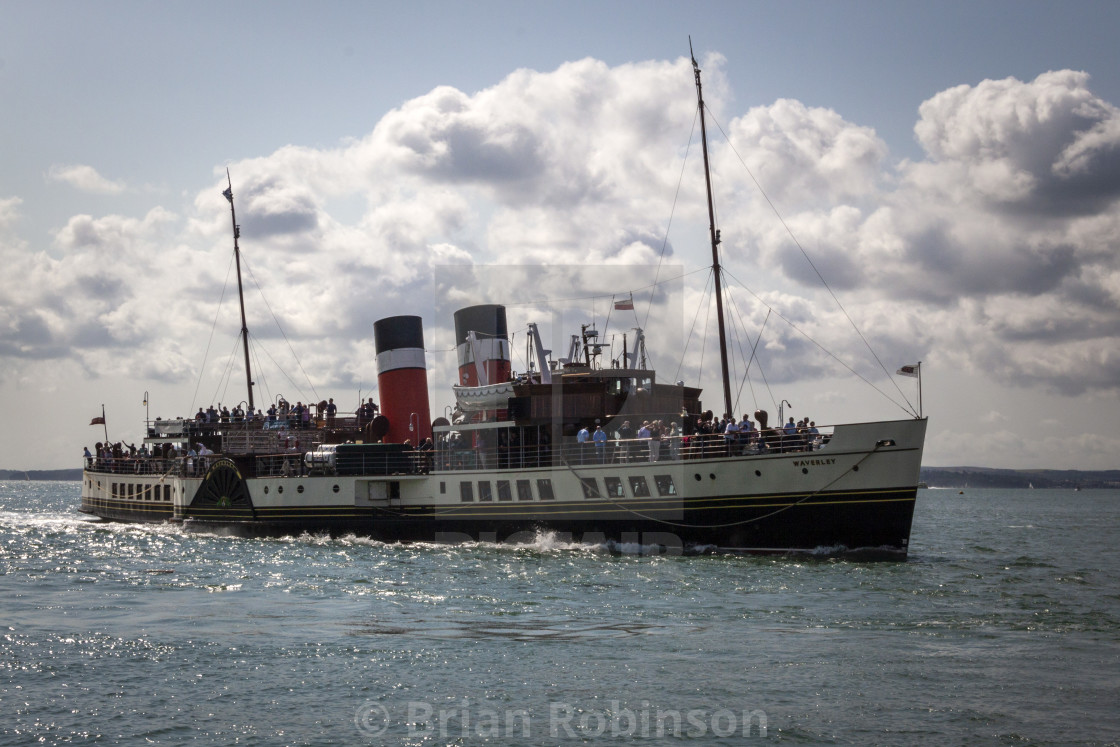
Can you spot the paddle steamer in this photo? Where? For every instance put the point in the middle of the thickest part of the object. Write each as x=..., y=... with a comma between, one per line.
x=516, y=458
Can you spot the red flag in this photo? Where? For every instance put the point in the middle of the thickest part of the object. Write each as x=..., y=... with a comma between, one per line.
x=624, y=305
x=97, y=421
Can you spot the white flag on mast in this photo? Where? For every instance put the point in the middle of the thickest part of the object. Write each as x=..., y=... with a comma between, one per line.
x=909, y=370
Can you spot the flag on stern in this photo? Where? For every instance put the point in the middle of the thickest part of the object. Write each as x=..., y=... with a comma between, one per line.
x=99, y=420
x=909, y=370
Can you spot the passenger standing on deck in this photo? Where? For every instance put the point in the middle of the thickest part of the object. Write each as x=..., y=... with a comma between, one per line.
x=644, y=437
x=581, y=441
x=600, y=439
x=747, y=433
x=675, y=441
x=730, y=436
x=626, y=436
x=789, y=435
x=656, y=431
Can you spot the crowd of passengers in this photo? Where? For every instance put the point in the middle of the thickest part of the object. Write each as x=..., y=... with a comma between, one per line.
x=748, y=436
x=696, y=438
x=284, y=414
x=691, y=437
x=125, y=458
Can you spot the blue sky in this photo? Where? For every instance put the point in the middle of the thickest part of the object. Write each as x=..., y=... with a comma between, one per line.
x=952, y=245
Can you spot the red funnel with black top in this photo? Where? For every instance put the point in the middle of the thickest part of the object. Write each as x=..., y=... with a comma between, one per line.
x=402, y=378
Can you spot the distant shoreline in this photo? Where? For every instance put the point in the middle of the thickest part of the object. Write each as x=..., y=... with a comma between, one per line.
x=934, y=477
x=36, y=475
x=987, y=477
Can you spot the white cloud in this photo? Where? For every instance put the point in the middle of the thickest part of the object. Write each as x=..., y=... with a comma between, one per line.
x=84, y=178
x=977, y=257
x=9, y=212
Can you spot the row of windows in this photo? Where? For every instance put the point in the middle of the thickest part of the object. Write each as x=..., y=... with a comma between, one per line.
x=614, y=488
x=132, y=491
x=505, y=490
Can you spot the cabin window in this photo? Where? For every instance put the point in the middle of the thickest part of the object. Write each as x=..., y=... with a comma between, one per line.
x=614, y=487
x=524, y=490
x=504, y=492
x=590, y=487
x=665, y=485
x=544, y=488
x=484, y=493
x=638, y=487
x=167, y=492
x=442, y=487
x=466, y=492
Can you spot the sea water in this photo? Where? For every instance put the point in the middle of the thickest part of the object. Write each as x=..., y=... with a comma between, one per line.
x=1003, y=627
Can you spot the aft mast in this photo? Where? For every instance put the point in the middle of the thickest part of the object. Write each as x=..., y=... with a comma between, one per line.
x=240, y=293
x=714, y=233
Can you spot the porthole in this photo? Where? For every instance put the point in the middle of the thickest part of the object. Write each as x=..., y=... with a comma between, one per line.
x=279, y=488
x=855, y=468
x=334, y=488
x=804, y=470
x=698, y=478
x=757, y=473
x=299, y=488
x=712, y=475
x=266, y=490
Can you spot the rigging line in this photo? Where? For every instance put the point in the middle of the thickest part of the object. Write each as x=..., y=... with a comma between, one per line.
x=733, y=317
x=822, y=348
x=213, y=328
x=754, y=351
x=261, y=378
x=282, y=371
x=572, y=299
x=746, y=373
x=805, y=254
x=227, y=372
x=707, y=327
x=762, y=373
x=672, y=212
x=513, y=348
x=283, y=334
x=691, y=330
x=735, y=329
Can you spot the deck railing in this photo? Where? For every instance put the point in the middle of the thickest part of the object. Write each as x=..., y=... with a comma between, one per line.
x=450, y=455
